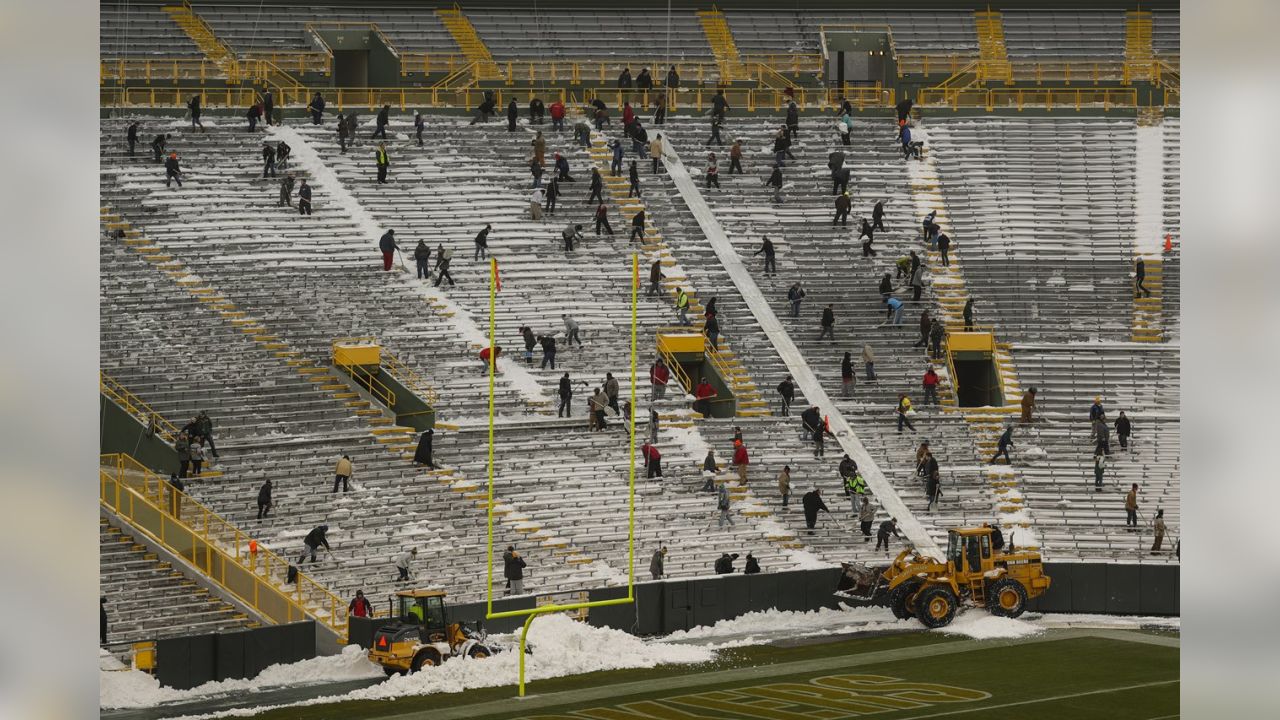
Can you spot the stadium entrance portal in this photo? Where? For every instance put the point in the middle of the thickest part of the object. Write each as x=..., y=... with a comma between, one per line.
x=686, y=354
x=858, y=56
x=361, y=56
x=974, y=374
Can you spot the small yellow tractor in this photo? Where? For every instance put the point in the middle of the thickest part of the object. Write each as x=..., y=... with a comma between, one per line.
x=999, y=579
x=422, y=636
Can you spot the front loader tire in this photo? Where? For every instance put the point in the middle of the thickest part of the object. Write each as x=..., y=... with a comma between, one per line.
x=1006, y=598
x=936, y=606
x=479, y=652
x=426, y=657
x=900, y=601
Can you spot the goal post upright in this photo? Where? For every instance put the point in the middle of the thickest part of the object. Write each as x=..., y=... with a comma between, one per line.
x=531, y=613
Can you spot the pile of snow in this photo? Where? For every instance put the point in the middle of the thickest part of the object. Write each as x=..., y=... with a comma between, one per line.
x=760, y=627
x=561, y=647
x=134, y=688
x=1123, y=622
x=1033, y=452
x=981, y=625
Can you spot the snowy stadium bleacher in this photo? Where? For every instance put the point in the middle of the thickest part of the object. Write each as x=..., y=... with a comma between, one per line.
x=1044, y=213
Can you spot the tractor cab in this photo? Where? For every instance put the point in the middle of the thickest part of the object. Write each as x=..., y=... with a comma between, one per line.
x=969, y=551
x=423, y=608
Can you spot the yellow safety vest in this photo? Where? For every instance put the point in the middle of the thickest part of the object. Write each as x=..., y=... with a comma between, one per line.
x=682, y=300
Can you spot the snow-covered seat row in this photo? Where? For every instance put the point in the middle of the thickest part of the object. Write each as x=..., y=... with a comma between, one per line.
x=258, y=28
x=147, y=599
x=1054, y=35
x=139, y=30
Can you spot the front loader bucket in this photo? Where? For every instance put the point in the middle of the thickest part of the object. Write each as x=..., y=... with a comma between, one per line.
x=861, y=582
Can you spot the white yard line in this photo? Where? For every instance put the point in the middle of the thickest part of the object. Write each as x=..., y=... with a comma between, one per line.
x=1034, y=701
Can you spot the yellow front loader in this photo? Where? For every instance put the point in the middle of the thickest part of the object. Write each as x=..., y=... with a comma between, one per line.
x=974, y=571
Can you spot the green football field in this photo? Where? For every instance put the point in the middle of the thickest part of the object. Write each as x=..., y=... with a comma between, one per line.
x=1076, y=673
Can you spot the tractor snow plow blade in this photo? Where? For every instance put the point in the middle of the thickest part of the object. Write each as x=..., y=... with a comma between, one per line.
x=861, y=582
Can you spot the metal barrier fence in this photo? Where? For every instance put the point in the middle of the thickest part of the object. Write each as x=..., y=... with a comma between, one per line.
x=112, y=388
x=1020, y=98
x=406, y=98
x=228, y=557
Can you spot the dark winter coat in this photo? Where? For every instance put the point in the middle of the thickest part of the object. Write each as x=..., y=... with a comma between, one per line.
x=566, y=388
x=422, y=253
x=171, y=165
x=828, y=317
x=387, y=242
x=944, y=242
x=848, y=468
x=787, y=390
x=812, y=503
x=886, y=285
x=753, y=566
x=878, y=212
x=811, y=418
x=548, y=343
x=887, y=528
x=846, y=368
x=724, y=565
x=644, y=81
x=316, y=537
x=383, y=118
x=512, y=566
x=793, y=116
x=775, y=180
x=1006, y=439
x=423, y=454
x=1122, y=426
x=264, y=494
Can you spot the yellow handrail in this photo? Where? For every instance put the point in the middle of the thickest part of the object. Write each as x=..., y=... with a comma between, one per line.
x=375, y=386
x=681, y=376
x=370, y=381
x=451, y=81
x=717, y=362
x=113, y=389
x=409, y=378
x=404, y=98
x=1019, y=98
x=228, y=557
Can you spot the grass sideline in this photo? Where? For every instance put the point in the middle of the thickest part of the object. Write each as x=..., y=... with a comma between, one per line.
x=1074, y=677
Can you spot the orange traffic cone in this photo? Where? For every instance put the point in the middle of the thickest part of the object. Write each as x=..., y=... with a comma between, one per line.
x=1168, y=243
